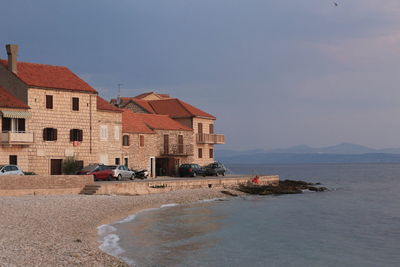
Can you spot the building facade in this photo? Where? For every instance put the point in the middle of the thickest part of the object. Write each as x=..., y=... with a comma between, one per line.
x=49, y=114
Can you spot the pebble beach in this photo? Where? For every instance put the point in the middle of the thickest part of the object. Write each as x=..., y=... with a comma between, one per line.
x=62, y=230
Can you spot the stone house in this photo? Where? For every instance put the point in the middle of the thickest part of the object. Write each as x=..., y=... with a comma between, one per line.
x=156, y=142
x=64, y=119
x=201, y=123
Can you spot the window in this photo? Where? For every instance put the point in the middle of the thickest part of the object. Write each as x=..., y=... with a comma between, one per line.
x=200, y=128
x=13, y=160
x=200, y=153
x=116, y=133
x=211, y=153
x=211, y=128
x=117, y=161
x=75, y=103
x=49, y=134
x=141, y=140
x=13, y=125
x=49, y=101
x=75, y=135
x=103, y=132
x=125, y=140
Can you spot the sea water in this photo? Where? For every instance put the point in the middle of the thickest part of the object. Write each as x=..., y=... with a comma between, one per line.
x=356, y=223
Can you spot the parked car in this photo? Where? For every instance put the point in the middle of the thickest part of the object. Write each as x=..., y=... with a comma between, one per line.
x=191, y=170
x=99, y=171
x=215, y=168
x=10, y=170
x=122, y=172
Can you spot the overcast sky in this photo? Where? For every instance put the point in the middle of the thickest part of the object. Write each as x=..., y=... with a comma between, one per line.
x=275, y=73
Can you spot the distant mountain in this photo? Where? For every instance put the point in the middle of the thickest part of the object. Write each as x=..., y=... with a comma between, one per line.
x=341, y=153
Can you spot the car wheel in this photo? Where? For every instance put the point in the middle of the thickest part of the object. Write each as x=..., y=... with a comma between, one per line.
x=95, y=178
x=223, y=174
x=110, y=178
x=133, y=176
x=119, y=178
x=194, y=174
x=216, y=173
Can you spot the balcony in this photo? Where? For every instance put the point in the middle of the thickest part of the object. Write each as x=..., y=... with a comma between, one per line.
x=17, y=138
x=177, y=150
x=210, y=138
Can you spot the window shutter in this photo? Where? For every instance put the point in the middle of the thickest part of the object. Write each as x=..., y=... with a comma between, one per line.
x=45, y=134
x=54, y=134
x=71, y=135
x=80, y=137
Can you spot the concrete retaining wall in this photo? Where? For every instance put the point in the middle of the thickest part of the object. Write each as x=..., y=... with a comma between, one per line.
x=154, y=186
x=15, y=185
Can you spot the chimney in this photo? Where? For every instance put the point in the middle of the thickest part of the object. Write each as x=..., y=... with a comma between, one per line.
x=12, y=52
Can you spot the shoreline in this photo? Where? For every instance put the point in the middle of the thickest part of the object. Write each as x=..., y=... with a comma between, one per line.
x=63, y=230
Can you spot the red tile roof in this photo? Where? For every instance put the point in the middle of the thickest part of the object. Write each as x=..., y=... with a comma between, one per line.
x=104, y=105
x=131, y=123
x=48, y=76
x=144, y=104
x=177, y=108
x=146, y=123
x=162, y=122
x=7, y=100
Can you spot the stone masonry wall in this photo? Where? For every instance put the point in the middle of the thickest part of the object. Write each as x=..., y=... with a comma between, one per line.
x=110, y=148
x=205, y=147
x=63, y=118
x=15, y=185
x=139, y=157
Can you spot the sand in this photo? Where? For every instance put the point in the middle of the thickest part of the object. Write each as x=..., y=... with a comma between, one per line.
x=62, y=230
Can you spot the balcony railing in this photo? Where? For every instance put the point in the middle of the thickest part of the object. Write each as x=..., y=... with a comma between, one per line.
x=17, y=138
x=177, y=150
x=210, y=138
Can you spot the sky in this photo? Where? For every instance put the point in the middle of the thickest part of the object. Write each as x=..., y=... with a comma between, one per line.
x=275, y=73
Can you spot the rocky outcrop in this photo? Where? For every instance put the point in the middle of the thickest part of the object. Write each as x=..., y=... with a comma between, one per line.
x=284, y=187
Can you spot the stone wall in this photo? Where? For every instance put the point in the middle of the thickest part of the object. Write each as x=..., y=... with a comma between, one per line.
x=160, y=186
x=110, y=148
x=206, y=159
x=62, y=118
x=15, y=185
x=139, y=157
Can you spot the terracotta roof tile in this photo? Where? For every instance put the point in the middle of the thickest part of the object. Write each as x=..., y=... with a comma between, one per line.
x=104, y=105
x=7, y=100
x=48, y=76
x=131, y=123
x=146, y=123
x=162, y=122
x=177, y=108
x=150, y=93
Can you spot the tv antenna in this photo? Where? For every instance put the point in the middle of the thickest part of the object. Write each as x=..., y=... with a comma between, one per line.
x=119, y=89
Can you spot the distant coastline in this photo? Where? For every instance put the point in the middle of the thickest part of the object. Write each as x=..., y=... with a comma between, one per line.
x=341, y=153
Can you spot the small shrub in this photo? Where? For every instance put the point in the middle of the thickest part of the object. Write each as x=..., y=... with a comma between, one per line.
x=70, y=166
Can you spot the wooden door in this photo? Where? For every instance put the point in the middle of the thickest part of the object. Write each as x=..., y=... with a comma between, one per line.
x=56, y=167
x=166, y=144
x=180, y=144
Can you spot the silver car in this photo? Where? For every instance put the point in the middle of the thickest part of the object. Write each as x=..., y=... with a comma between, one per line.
x=122, y=172
x=10, y=170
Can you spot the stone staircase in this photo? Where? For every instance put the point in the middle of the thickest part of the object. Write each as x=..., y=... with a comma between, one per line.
x=90, y=189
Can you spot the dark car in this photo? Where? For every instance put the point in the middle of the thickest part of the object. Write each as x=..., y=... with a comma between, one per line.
x=99, y=171
x=215, y=168
x=191, y=170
